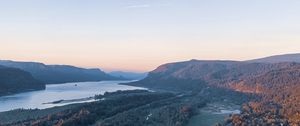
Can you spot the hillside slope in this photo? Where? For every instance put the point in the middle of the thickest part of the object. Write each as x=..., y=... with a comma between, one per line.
x=280, y=99
x=275, y=85
x=278, y=59
x=51, y=74
x=15, y=80
x=197, y=73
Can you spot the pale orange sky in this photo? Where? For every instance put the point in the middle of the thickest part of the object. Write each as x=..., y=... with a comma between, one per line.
x=141, y=35
x=132, y=57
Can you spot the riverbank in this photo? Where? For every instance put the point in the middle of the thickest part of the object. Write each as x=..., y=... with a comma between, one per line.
x=115, y=109
x=68, y=101
x=2, y=94
x=60, y=94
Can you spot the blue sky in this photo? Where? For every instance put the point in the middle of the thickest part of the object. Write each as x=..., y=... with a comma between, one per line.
x=139, y=35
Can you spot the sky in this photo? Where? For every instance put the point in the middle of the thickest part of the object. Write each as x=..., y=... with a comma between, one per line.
x=140, y=35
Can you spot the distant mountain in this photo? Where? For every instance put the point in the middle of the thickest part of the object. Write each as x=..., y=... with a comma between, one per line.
x=14, y=80
x=128, y=75
x=51, y=74
x=279, y=58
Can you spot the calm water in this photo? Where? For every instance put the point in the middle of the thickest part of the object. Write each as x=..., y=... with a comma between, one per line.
x=67, y=91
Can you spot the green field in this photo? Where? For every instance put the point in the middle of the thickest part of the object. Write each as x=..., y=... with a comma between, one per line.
x=206, y=119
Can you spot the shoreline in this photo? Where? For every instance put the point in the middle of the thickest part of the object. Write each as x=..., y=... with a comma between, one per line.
x=61, y=94
x=68, y=101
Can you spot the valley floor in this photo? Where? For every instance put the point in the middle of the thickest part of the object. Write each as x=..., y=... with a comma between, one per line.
x=214, y=113
x=134, y=108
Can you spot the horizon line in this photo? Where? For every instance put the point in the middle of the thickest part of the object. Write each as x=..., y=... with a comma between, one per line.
x=107, y=70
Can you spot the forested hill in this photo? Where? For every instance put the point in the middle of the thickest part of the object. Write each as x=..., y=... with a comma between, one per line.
x=51, y=74
x=14, y=80
x=280, y=103
x=276, y=86
x=196, y=73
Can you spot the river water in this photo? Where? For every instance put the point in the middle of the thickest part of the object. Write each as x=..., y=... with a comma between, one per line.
x=66, y=91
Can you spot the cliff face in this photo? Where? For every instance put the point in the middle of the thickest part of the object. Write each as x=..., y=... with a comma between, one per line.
x=14, y=80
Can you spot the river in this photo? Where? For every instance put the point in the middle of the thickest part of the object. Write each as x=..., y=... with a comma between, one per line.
x=56, y=92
